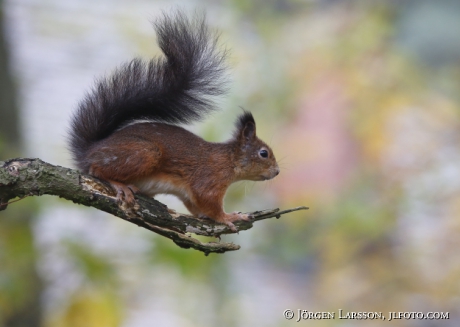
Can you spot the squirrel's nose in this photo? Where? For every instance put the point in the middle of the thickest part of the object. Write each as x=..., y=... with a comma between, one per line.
x=277, y=171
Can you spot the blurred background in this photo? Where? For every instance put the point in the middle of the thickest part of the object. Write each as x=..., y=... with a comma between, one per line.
x=360, y=100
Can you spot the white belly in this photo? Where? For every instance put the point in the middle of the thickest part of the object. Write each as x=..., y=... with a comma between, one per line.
x=152, y=187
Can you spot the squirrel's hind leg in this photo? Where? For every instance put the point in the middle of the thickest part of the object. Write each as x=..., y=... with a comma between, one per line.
x=121, y=165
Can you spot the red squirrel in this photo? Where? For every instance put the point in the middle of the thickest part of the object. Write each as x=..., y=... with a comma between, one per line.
x=125, y=130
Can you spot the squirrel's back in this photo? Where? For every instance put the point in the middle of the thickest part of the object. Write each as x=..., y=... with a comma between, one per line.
x=174, y=89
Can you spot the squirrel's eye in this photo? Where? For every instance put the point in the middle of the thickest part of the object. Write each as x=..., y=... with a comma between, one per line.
x=263, y=153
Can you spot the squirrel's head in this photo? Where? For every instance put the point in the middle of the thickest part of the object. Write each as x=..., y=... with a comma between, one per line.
x=254, y=159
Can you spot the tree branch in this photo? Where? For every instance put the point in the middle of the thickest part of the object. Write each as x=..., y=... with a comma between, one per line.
x=23, y=177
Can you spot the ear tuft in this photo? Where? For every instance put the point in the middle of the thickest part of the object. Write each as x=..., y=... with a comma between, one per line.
x=245, y=126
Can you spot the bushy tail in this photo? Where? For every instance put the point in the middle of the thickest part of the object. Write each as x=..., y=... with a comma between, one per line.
x=174, y=89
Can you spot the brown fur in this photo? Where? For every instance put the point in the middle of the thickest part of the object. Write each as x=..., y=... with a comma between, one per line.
x=160, y=158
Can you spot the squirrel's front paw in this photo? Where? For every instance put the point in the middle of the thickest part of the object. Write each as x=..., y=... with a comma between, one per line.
x=235, y=216
x=242, y=216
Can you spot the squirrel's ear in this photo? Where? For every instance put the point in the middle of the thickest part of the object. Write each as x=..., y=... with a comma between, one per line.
x=245, y=127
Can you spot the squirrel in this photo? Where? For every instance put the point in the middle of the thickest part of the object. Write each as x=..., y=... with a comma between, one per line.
x=125, y=131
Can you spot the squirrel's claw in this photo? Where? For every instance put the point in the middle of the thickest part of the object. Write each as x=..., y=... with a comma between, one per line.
x=232, y=227
x=125, y=193
x=133, y=189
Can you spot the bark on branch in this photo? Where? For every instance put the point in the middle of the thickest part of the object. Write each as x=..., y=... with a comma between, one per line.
x=33, y=177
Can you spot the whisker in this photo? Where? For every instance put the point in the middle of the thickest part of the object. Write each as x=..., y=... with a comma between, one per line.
x=282, y=159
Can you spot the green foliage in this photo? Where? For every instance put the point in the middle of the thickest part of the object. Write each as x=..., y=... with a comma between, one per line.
x=98, y=269
x=90, y=307
x=19, y=282
x=191, y=264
